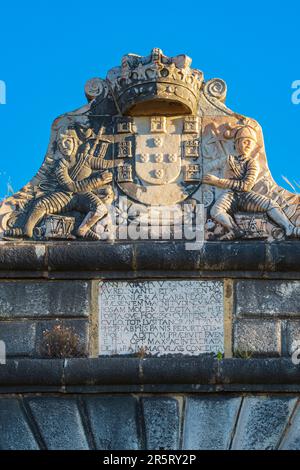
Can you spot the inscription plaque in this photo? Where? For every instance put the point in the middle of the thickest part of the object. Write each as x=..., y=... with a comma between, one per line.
x=161, y=317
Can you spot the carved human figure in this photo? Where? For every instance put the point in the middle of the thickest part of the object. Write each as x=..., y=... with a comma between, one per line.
x=74, y=185
x=241, y=175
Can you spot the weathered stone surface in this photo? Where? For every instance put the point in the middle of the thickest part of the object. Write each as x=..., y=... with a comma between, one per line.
x=53, y=338
x=15, y=432
x=257, y=337
x=214, y=258
x=262, y=421
x=113, y=421
x=102, y=371
x=59, y=422
x=157, y=374
x=267, y=298
x=22, y=257
x=293, y=337
x=19, y=337
x=161, y=417
x=227, y=256
x=32, y=372
x=283, y=256
x=44, y=299
x=209, y=422
x=161, y=317
x=259, y=372
x=110, y=422
x=170, y=256
x=291, y=440
x=200, y=369
x=91, y=257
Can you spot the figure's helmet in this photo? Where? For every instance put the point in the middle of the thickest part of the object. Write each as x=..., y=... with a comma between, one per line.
x=68, y=133
x=246, y=132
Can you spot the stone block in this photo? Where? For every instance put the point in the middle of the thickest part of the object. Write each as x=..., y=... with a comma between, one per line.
x=161, y=418
x=59, y=423
x=261, y=422
x=18, y=256
x=15, y=432
x=36, y=373
x=113, y=421
x=267, y=298
x=209, y=422
x=19, y=337
x=167, y=370
x=246, y=256
x=257, y=338
x=291, y=440
x=267, y=372
x=34, y=299
x=283, y=256
x=89, y=256
x=293, y=337
x=102, y=371
x=170, y=256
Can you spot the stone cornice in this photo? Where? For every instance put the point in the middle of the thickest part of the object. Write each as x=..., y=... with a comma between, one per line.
x=94, y=260
x=164, y=374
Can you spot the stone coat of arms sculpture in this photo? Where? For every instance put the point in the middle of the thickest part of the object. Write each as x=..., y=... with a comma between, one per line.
x=158, y=136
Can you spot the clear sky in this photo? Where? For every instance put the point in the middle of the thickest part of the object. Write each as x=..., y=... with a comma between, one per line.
x=50, y=48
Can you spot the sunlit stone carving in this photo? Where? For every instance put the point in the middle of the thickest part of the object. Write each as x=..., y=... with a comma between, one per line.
x=154, y=131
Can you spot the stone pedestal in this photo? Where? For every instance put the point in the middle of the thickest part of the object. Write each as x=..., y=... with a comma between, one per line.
x=175, y=349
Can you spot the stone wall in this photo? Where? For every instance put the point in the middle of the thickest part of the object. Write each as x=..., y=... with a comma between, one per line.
x=266, y=317
x=55, y=288
x=242, y=395
x=31, y=308
x=261, y=317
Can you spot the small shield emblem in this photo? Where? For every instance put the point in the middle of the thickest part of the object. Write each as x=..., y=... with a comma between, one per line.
x=158, y=159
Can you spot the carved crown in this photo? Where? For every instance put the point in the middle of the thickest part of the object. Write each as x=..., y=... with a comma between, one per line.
x=156, y=84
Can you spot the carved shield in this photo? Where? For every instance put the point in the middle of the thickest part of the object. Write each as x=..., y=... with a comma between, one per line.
x=162, y=165
x=158, y=158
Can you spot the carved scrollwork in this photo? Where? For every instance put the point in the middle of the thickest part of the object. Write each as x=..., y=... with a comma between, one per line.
x=96, y=87
x=216, y=88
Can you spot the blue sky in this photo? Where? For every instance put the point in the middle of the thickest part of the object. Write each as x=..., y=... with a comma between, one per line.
x=49, y=49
